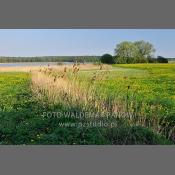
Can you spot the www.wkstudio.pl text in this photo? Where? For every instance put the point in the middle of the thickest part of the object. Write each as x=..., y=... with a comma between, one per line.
x=90, y=124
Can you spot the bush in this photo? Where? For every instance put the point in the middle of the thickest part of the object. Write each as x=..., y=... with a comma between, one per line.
x=151, y=60
x=162, y=59
x=107, y=58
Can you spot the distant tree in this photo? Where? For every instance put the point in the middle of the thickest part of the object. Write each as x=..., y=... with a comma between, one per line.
x=161, y=59
x=107, y=58
x=145, y=49
x=126, y=52
x=152, y=60
x=134, y=52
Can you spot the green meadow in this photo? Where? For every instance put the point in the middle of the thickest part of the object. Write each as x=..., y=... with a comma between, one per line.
x=138, y=101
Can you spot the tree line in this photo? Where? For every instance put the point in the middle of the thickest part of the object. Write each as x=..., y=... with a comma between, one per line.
x=124, y=53
x=128, y=52
x=81, y=59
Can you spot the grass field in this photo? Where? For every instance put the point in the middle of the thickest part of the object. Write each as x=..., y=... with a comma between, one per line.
x=130, y=104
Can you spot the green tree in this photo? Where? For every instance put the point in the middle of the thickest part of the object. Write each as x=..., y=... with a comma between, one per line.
x=145, y=49
x=134, y=52
x=107, y=58
x=126, y=52
x=161, y=59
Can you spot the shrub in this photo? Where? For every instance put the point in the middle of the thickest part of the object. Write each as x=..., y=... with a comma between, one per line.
x=162, y=59
x=107, y=58
x=151, y=60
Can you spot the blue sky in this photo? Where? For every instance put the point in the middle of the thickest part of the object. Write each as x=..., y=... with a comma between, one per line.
x=47, y=42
